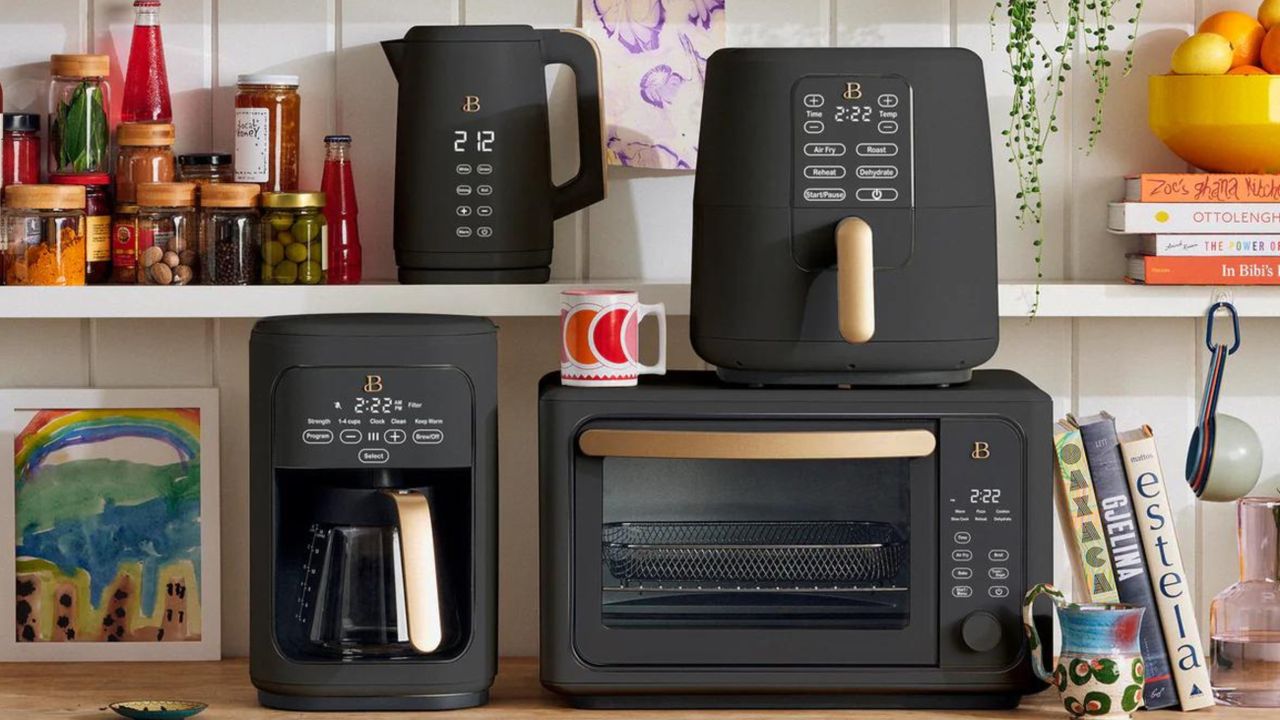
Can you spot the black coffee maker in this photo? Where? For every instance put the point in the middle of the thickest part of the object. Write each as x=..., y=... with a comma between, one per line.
x=373, y=510
x=474, y=201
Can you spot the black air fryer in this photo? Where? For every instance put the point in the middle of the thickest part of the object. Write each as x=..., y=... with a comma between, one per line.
x=844, y=217
x=373, y=510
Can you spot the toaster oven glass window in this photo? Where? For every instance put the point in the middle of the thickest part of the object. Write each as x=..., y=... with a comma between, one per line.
x=755, y=543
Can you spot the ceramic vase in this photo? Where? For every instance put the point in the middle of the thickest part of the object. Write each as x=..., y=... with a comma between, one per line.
x=1099, y=670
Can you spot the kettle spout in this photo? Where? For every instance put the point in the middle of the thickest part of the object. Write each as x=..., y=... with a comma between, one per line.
x=394, y=50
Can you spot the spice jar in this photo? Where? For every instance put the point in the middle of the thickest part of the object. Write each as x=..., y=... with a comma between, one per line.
x=79, y=133
x=205, y=168
x=295, y=241
x=44, y=225
x=167, y=234
x=124, y=244
x=21, y=150
x=229, y=233
x=97, y=223
x=266, y=131
x=145, y=156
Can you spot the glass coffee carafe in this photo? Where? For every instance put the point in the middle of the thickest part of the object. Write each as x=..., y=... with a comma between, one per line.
x=1244, y=619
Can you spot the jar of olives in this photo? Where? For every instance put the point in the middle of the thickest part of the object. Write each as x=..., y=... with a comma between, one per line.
x=167, y=253
x=295, y=241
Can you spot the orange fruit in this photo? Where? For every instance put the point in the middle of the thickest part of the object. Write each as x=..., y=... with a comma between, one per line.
x=1269, y=13
x=1247, y=70
x=1271, y=51
x=1244, y=33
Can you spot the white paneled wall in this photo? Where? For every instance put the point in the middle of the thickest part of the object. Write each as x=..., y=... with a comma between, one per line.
x=1142, y=370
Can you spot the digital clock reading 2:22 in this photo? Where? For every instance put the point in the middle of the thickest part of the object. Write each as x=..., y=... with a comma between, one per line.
x=852, y=113
x=377, y=405
x=480, y=140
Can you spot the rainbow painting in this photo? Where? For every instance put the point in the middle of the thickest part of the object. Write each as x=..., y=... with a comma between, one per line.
x=107, y=505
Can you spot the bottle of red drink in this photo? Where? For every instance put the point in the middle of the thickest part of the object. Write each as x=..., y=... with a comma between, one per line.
x=340, y=212
x=146, y=84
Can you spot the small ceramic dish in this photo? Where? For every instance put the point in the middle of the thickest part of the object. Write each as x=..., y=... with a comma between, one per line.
x=158, y=709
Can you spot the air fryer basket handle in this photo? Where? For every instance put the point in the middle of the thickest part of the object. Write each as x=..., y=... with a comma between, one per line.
x=855, y=275
x=418, y=559
x=578, y=52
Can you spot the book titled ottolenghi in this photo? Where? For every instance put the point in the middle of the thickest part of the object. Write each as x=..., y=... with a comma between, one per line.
x=1102, y=448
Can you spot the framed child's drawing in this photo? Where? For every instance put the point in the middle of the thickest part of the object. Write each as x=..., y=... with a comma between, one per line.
x=109, y=520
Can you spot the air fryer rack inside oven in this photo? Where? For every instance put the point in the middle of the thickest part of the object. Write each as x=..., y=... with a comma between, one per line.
x=830, y=553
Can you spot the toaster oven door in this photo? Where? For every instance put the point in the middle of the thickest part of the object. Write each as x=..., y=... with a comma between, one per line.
x=738, y=543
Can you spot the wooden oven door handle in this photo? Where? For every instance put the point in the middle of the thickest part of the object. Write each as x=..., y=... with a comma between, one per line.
x=855, y=275
x=418, y=562
x=789, y=445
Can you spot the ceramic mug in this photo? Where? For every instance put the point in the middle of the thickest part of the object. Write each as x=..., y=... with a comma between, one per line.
x=600, y=338
x=1099, y=672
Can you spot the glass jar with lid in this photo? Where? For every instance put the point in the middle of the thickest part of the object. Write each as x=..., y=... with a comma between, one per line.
x=79, y=99
x=229, y=233
x=44, y=227
x=295, y=240
x=145, y=155
x=268, y=113
x=97, y=222
x=124, y=244
x=167, y=252
x=20, y=157
x=205, y=168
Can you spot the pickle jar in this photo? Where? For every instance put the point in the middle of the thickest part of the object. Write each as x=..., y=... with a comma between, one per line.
x=295, y=240
x=44, y=227
x=167, y=252
x=267, y=122
x=79, y=98
x=229, y=233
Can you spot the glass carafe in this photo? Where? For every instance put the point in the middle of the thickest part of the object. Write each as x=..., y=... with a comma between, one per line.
x=1244, y=619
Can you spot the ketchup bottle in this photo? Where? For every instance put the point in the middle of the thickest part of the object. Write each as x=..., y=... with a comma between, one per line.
x=146, y=84
x=340, y=212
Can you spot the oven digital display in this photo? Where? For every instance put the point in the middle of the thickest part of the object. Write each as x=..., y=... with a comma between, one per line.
x=984, y=496
x=852, y=113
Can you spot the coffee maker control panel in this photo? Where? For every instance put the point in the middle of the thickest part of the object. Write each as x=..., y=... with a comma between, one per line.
x=851, y=138
x=371, y=417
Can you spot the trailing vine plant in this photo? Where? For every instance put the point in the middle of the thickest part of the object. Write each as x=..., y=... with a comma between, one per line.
x=1039, y=69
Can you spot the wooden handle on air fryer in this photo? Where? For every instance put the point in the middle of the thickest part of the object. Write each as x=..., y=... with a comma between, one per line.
x=856, y=280
x=418, y=561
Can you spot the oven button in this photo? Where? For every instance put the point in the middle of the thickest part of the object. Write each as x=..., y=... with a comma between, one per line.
x=998, y=556
x=981, y=632
x=998, y=591
x=962, y=555
x=963, y=538
x=962, y=591
x=962, y=573
x=998, y=573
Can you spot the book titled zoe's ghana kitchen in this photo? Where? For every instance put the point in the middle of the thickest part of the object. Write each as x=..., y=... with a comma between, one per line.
x=1102, y=448
x=1082, y=524
x=1164, y=562
x=1202, y=188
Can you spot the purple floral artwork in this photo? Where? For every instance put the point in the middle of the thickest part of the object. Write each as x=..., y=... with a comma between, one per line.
x=653, y=57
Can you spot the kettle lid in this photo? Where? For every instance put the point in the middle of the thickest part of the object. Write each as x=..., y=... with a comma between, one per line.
x=472, y=33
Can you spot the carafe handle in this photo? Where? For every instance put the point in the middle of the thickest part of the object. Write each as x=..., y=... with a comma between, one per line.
x=855, y=275
x=578, y=52
x=418, y=562
x=1029, y=628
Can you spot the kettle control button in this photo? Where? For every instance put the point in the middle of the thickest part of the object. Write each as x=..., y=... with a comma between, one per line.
x=887, y=127
x=813, y=127
x=317, y=436
x=394, y=436
x=998, y=591
x=963, y=537
x=350, y=436
x=428, y=437
x=484, y=231
x=462, y=231
x=878, y=149
x=876, y=194
x=825, y=149
x=463, y=211
x=887, y=100
x=824, y=172
x=373, y=456
x=981, y=631
x=463, y=169
x=484, y=211
x=463, y=190
x=484, y=168
x=814, y=100
x=484, y=189
x=998, y=555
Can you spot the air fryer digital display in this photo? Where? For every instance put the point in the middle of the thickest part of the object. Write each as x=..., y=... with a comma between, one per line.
x=851, y=138
x=473, y=182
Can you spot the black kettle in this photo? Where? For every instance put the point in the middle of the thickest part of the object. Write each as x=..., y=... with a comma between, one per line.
x=474, y=201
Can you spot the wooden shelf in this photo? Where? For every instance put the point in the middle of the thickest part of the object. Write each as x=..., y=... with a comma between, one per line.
x=67, y=690
x=1059, y=299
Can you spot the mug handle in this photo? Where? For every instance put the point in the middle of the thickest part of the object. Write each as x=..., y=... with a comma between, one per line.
x=660, y=310
x=1029, y=628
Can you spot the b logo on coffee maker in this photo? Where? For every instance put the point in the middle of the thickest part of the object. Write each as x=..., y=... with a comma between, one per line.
x=373, y=383
x=471, y=103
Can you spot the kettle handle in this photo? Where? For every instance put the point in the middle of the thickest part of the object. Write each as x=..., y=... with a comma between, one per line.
x=576, y=50
x=418, y=563
x=855, y=276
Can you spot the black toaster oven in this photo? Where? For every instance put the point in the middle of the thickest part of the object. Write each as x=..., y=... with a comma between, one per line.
x=706, y=545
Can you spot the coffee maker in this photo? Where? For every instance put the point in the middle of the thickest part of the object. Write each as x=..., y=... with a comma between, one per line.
x=373, y=510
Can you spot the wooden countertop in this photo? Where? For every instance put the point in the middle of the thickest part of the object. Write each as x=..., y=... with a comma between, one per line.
x=83, y=690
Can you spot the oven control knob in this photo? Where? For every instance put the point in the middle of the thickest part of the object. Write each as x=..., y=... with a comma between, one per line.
x=981, y=631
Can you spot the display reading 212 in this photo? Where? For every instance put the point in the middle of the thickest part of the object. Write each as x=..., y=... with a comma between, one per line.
x=483, y=140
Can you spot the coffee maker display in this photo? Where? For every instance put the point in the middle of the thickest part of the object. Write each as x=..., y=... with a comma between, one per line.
x=373, y=510
x=844, y=224
x=474, y=200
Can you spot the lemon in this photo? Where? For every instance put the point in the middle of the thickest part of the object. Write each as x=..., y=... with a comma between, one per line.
x=1203, y=54
x=1269, y=13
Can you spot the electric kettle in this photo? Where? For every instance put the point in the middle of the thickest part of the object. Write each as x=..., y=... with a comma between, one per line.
x=474, y=200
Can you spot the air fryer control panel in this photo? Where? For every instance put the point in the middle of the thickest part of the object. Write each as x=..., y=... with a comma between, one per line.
x=372, y=417
x=851, y=140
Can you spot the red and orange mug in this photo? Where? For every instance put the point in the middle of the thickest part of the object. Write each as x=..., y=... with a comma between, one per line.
x=600, y=338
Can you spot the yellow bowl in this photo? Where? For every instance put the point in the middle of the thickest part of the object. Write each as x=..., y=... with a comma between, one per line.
x=1220, y=123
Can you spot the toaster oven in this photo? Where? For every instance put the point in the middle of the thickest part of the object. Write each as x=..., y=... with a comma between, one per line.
x=706, y=545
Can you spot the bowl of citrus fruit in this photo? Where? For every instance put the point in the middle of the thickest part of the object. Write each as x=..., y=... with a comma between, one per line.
x=1219, y=107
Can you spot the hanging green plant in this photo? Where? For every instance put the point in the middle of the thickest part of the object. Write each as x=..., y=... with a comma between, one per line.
x=1039, y=67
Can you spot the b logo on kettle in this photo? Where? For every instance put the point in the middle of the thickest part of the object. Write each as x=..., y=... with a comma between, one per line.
x=373, y=383
x=471, y=103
